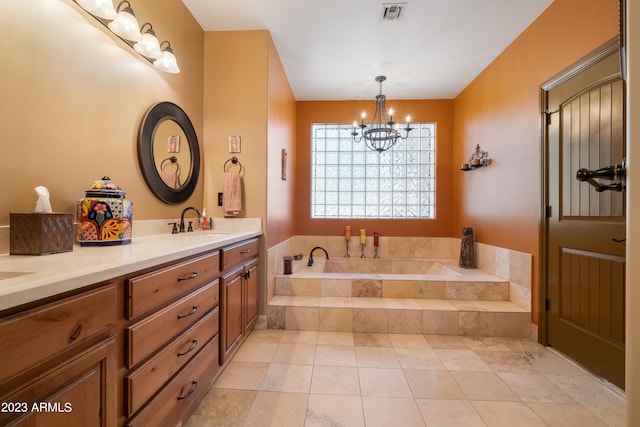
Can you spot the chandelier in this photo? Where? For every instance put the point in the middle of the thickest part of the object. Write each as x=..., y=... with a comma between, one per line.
x=383, y=132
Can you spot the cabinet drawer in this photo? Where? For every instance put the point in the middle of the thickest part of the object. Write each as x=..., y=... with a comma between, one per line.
x=146, y=336
x=33, y=336
x=170, y=404
x=148, y=378
x=146, y=292
x=233, y=255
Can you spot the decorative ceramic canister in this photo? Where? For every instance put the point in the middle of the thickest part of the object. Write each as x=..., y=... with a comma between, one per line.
x=104, y=215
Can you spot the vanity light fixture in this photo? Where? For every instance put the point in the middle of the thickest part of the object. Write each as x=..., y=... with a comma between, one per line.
x=123, y=23
x=478, y=159
x=167, y=61
x=101, y=8
x=148, y=46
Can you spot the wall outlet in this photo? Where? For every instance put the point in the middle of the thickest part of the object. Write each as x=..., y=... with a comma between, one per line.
x=219, y=199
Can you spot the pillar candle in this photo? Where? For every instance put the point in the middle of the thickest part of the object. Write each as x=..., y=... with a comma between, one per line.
x=363, y=236
x=347, y=232
x=375, y=239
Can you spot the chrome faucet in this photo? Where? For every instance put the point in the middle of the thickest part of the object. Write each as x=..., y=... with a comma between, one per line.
x=310, y=263
x=181, y=226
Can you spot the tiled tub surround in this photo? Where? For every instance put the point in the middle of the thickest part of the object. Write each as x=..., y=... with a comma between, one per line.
x=415, y=287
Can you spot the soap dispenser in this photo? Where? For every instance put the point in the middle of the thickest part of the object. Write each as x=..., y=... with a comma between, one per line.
x=204, y=221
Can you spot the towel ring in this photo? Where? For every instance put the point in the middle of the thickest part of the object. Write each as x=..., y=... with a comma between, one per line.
x=174, y=160
x=234, y=161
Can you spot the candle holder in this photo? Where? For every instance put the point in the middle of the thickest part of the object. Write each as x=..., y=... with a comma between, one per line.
x=375, y=252
x=362, y=255
x=347, y=254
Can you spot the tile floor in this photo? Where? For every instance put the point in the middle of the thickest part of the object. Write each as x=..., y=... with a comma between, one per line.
x=308, y=378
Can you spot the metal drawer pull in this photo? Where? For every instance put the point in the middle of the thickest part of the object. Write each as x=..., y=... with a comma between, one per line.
x=246, y=251
x=190, y=313
x=193, y=345
x=75, y=334
x=194, y=386
x=188, y=276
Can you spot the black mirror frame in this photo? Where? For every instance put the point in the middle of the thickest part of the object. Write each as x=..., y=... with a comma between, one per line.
x=157, y=114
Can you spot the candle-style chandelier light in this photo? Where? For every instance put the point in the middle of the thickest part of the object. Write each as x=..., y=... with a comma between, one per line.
x=383, y=132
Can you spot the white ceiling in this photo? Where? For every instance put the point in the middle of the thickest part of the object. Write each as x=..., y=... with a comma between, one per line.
x=333, y=49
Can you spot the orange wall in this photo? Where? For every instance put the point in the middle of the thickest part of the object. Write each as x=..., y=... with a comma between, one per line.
x=281, y=122
x=246, y=93
x=439, y=111
x=235, y=103
x=73, y=97
x=500, y=111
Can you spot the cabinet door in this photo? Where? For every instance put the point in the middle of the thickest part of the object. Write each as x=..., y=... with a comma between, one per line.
x=231, y=311
x=251, y=275
x=79, y=392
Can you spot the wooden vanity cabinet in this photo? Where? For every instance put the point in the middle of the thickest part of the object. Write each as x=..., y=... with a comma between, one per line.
x=172, y=340
x=238, y=294
x=59, y=364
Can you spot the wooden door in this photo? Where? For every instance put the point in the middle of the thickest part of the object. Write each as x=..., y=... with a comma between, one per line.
x=231, y=311
x=251, y=275
x=585, y=257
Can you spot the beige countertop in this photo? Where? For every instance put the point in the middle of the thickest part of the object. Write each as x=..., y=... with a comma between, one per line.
x=25, y=278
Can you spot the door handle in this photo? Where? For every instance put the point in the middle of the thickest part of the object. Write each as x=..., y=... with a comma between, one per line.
x=615, y=173
x=619, y=240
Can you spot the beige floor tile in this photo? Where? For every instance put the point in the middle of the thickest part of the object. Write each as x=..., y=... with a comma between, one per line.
x=507, y=414
x=376, y=357
x=332, y=411
x=447, y=342
x=558, y=415
x=547, y=362
x=297, y=354
x=301, y=318
x=487, y=343
x=335, y=319
x=366, y=339
x=256, y=352
x=335, y=355
x=449, y=413
x=242, y=375
x=483, y=386
x=299, y=337
x=409, y=341
x=265, y=335
x=335, y=380
x=335, y=338
x=508, y=361
x=419, y=358
x=287, y=378
x=275, y=409
x=462, y=360
x=383, y=382
x=386, y=412
x=222, y=408
x=433, y=384
x=535, y=388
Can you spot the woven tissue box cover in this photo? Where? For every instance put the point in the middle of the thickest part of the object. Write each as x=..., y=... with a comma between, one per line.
x=40, y=233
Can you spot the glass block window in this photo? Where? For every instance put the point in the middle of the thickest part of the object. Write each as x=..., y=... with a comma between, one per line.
x=350, y=181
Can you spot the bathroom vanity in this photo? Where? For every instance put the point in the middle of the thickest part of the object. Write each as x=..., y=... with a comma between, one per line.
x=126, y=335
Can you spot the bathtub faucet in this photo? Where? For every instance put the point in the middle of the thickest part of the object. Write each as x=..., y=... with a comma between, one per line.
x=310, y=263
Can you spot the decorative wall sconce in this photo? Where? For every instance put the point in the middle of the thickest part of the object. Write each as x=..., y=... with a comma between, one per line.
x=123, y=23
x=478, y=159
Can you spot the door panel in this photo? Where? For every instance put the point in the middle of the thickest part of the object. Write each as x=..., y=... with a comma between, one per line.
x=585, y=267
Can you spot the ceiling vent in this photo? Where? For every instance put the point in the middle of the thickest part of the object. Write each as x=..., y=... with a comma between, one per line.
x=392, y=11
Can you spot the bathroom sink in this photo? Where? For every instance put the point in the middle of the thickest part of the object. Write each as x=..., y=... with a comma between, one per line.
x=12, y=274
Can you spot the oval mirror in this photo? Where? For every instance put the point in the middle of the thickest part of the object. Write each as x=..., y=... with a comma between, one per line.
x=168, y=153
